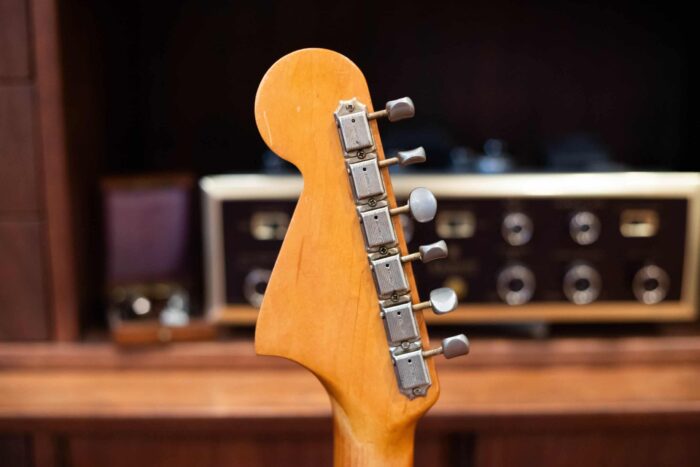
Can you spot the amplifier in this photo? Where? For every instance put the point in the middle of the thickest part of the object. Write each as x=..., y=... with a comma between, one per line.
x=548, y=247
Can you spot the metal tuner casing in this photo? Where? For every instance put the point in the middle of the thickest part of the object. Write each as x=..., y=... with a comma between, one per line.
x=381, y=241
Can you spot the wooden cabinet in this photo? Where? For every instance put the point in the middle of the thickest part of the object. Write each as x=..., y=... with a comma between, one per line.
x=16, y=451
x=14, y=39
x=19, y=191
x=616, y=448
x=23, y=312
x=214, y=405
x=23, y=268
x=36, y=262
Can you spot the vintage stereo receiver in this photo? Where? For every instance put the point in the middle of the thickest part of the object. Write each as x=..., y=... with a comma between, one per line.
x=548, y=247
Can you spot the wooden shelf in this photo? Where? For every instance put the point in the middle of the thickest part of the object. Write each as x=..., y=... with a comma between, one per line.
x=504, y=383
x=472, y=398
x=239, y=353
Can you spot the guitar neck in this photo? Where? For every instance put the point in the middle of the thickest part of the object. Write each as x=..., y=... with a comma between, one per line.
x=342, y=300
x=365, y=443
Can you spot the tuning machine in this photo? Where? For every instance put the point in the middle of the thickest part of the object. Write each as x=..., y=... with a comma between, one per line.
x=399, y=319
x=398, y=109
x=421, y=204
x=404, y=158
x=388, y=272
x=451, y=347
x=411, y=367
x=352, y=120
x=442, y=301
x=428, y=253
x=381, y=242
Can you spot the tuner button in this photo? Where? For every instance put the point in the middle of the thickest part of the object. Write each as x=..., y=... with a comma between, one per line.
x=427, y=253
x=437, y=250
x=404, y=158
x=455, y=346
x=421, y=204
x=443, y=300
x=412, y=156
x=398, y=109
x=451, y=347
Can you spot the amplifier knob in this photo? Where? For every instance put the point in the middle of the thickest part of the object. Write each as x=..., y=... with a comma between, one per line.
x=582, y=284
x=650, y=284
x=254, y=286
x=515, y=285
x=584, y=227
x=516, y=228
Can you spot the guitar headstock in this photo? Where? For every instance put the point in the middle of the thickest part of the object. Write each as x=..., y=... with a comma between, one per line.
x=342, y=299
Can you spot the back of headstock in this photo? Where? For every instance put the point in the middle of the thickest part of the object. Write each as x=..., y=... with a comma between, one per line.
x=342, y=299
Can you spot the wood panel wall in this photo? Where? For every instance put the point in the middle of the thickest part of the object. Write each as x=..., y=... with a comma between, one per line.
x=23, y=267
x=37, y=282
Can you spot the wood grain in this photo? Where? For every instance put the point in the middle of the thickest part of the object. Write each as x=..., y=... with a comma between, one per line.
x=321, y=307
x=23, y=304
x=239, y=354
x=481, y=398
x=18, y=176
x=56, y=169
x=14, y=40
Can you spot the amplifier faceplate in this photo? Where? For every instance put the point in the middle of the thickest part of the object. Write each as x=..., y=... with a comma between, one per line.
x=559, y=247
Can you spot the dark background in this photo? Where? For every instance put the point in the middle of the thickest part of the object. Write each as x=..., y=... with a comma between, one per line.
x=170, y=85
x=155, y=86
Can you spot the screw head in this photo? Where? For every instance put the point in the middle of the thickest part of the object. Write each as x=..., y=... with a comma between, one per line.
x=372, y=202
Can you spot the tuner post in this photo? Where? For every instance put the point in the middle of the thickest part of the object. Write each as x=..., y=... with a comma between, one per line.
x=428, y=253
x=404, y=158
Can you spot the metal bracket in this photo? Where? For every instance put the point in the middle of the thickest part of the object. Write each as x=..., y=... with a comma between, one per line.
x=411, y=372
x=400, y=323
x=366, y=179
x=389, y=276
x=353, y=126
x=378, y=228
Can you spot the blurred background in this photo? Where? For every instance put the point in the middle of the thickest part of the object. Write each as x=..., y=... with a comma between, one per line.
x=576, y=86
x=111, y=113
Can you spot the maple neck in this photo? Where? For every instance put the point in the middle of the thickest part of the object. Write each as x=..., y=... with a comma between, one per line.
x=364, y=443
x=342, y=300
